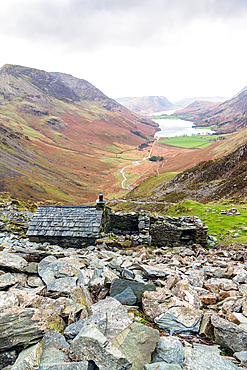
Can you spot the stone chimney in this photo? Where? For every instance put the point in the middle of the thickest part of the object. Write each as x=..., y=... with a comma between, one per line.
x=100, y=203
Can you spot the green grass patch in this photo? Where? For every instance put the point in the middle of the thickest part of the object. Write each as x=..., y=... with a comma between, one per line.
x=119, y=176
x=117, y=195
x=130, y=159
x=227, y=229
x=131, y=177
x=146, y=188
x=113, y=149
x=189, y=142
x=111, y=161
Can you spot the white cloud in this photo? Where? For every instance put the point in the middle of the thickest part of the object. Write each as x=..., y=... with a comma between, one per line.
x=174, y=48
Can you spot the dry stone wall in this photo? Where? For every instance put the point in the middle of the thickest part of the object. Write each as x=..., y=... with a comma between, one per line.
x=119, y=222
x=160, y=231
x=172, y=231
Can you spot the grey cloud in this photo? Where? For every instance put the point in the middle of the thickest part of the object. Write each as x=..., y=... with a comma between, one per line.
x=91, y=24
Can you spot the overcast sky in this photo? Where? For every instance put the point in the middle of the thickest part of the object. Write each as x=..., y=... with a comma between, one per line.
x=174, y=48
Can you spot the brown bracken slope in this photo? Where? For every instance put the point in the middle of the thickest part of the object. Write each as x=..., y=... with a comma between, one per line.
x=58, y=135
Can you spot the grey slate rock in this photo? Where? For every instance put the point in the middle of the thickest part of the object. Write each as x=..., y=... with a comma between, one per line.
x=54, y=345
x=137, y=342
x=32, y=268
x=119, y=285
x=108, y=315
x=7, y=280
x=202, y=357
x=169, y=322
x=20, y=327
x=162, y=366
x=29, y=358
x=229, y=335
x=114, y=314
x=12, y=262
x=127, y=297
x=47, y=269
x=91, y=344
x=154, y=271
x=170, y=350
x=127, y=274
x=83, y=365
x=62, y=285
x=242, y=355
x=73, y=329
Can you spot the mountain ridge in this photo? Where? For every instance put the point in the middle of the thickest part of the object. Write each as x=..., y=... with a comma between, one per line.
x=184, y=103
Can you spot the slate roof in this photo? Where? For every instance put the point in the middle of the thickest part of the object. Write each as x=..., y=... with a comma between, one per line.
x=66, y=221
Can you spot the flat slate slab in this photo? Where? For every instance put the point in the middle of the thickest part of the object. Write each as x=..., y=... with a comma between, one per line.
x=119, y=285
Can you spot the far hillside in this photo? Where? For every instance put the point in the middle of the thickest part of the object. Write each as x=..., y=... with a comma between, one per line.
x=227, y=117
x=187, y=101
x=147, y=104
x=194, y=111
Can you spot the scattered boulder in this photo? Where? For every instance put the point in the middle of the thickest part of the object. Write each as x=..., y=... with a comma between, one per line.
x=201, y=357
x=20, y=327
x=170, y=350
x=29, y=358
x=162, y=366
x=12, y=262
x=108, y=315
x=180, y=320
x=119, y=285
x=127, y=297
x=55, y=348
x=91, y=345
x=229, y=335
x=137, y=342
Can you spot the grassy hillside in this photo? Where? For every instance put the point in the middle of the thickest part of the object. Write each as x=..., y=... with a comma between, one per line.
x=56, y=136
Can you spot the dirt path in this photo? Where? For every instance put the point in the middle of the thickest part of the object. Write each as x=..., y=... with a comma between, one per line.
x=135, y=163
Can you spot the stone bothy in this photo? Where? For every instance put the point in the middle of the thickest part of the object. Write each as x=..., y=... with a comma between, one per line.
x=79, y=226
x=66, y=225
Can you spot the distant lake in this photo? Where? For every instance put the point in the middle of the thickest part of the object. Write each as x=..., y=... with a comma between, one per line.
x=177, y=127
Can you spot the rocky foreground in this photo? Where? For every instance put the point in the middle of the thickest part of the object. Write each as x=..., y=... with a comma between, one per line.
x=112, y=308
